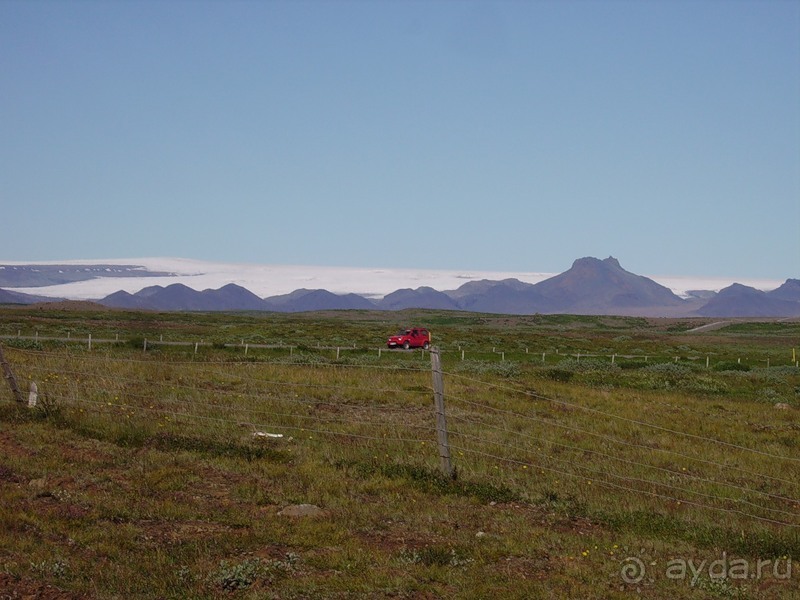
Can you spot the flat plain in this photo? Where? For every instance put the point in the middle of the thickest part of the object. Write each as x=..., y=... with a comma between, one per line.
x=214, y=455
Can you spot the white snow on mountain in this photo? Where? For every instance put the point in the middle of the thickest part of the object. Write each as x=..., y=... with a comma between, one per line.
x=273, y=280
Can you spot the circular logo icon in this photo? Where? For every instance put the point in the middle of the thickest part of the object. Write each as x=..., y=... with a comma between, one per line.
x=633, y=570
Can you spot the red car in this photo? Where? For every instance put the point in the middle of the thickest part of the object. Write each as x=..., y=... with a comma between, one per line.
x=416, y=337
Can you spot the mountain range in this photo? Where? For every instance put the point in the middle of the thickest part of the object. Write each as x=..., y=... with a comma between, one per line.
x=590, y=286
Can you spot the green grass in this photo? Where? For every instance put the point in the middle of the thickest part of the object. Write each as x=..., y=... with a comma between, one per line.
x=139, y=474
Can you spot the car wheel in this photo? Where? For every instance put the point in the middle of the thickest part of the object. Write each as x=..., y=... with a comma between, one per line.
x=406, y=345
x=426, y=345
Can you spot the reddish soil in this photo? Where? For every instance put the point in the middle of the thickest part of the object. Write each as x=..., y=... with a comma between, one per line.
x=13, y=588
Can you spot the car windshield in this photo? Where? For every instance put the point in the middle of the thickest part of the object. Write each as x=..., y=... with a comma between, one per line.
x=404, y=332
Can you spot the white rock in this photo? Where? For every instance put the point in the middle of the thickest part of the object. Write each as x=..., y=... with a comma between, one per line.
x=302, y=510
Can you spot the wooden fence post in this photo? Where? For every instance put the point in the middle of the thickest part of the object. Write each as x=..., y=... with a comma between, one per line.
x=441, y=421
x=9, y=375
x=33, y=395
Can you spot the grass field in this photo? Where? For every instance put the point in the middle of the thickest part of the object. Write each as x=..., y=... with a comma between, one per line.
x=595, y=457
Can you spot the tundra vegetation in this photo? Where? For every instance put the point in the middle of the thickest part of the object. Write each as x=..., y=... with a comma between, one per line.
x=583, y=447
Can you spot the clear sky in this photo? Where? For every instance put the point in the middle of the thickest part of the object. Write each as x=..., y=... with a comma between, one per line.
x=499, y=135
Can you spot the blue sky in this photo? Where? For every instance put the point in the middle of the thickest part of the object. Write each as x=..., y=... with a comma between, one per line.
x=503, y=135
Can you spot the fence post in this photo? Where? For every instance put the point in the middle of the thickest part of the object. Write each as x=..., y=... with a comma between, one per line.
x=33, y=395
x=9, y=375
x=441, y=421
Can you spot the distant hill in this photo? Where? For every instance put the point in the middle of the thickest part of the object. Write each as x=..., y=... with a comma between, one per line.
x=123, y=299
x=422, y=297
x=789, y=290
x=310, y=300
x=590, y=286
x=740, y=300
x=508, y=296
x=233, y=295
x=482, y=286
x=594, y=286
x=8, y=297
x=181, y=297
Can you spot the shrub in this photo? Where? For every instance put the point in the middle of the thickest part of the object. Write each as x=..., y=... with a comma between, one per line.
x=558, y=374
x=439, y=556
x=136, y=342
x=587, y=365
x=630, y=364
x=673, y=369
x=505, y=368
x=236, y=576
x=24, y=344
x=731, y=366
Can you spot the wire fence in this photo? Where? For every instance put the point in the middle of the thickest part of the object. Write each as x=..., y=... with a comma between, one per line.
x=532, y=354
x=544, y=448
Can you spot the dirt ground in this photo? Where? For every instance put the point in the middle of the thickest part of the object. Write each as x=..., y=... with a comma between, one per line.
x=12, y=588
